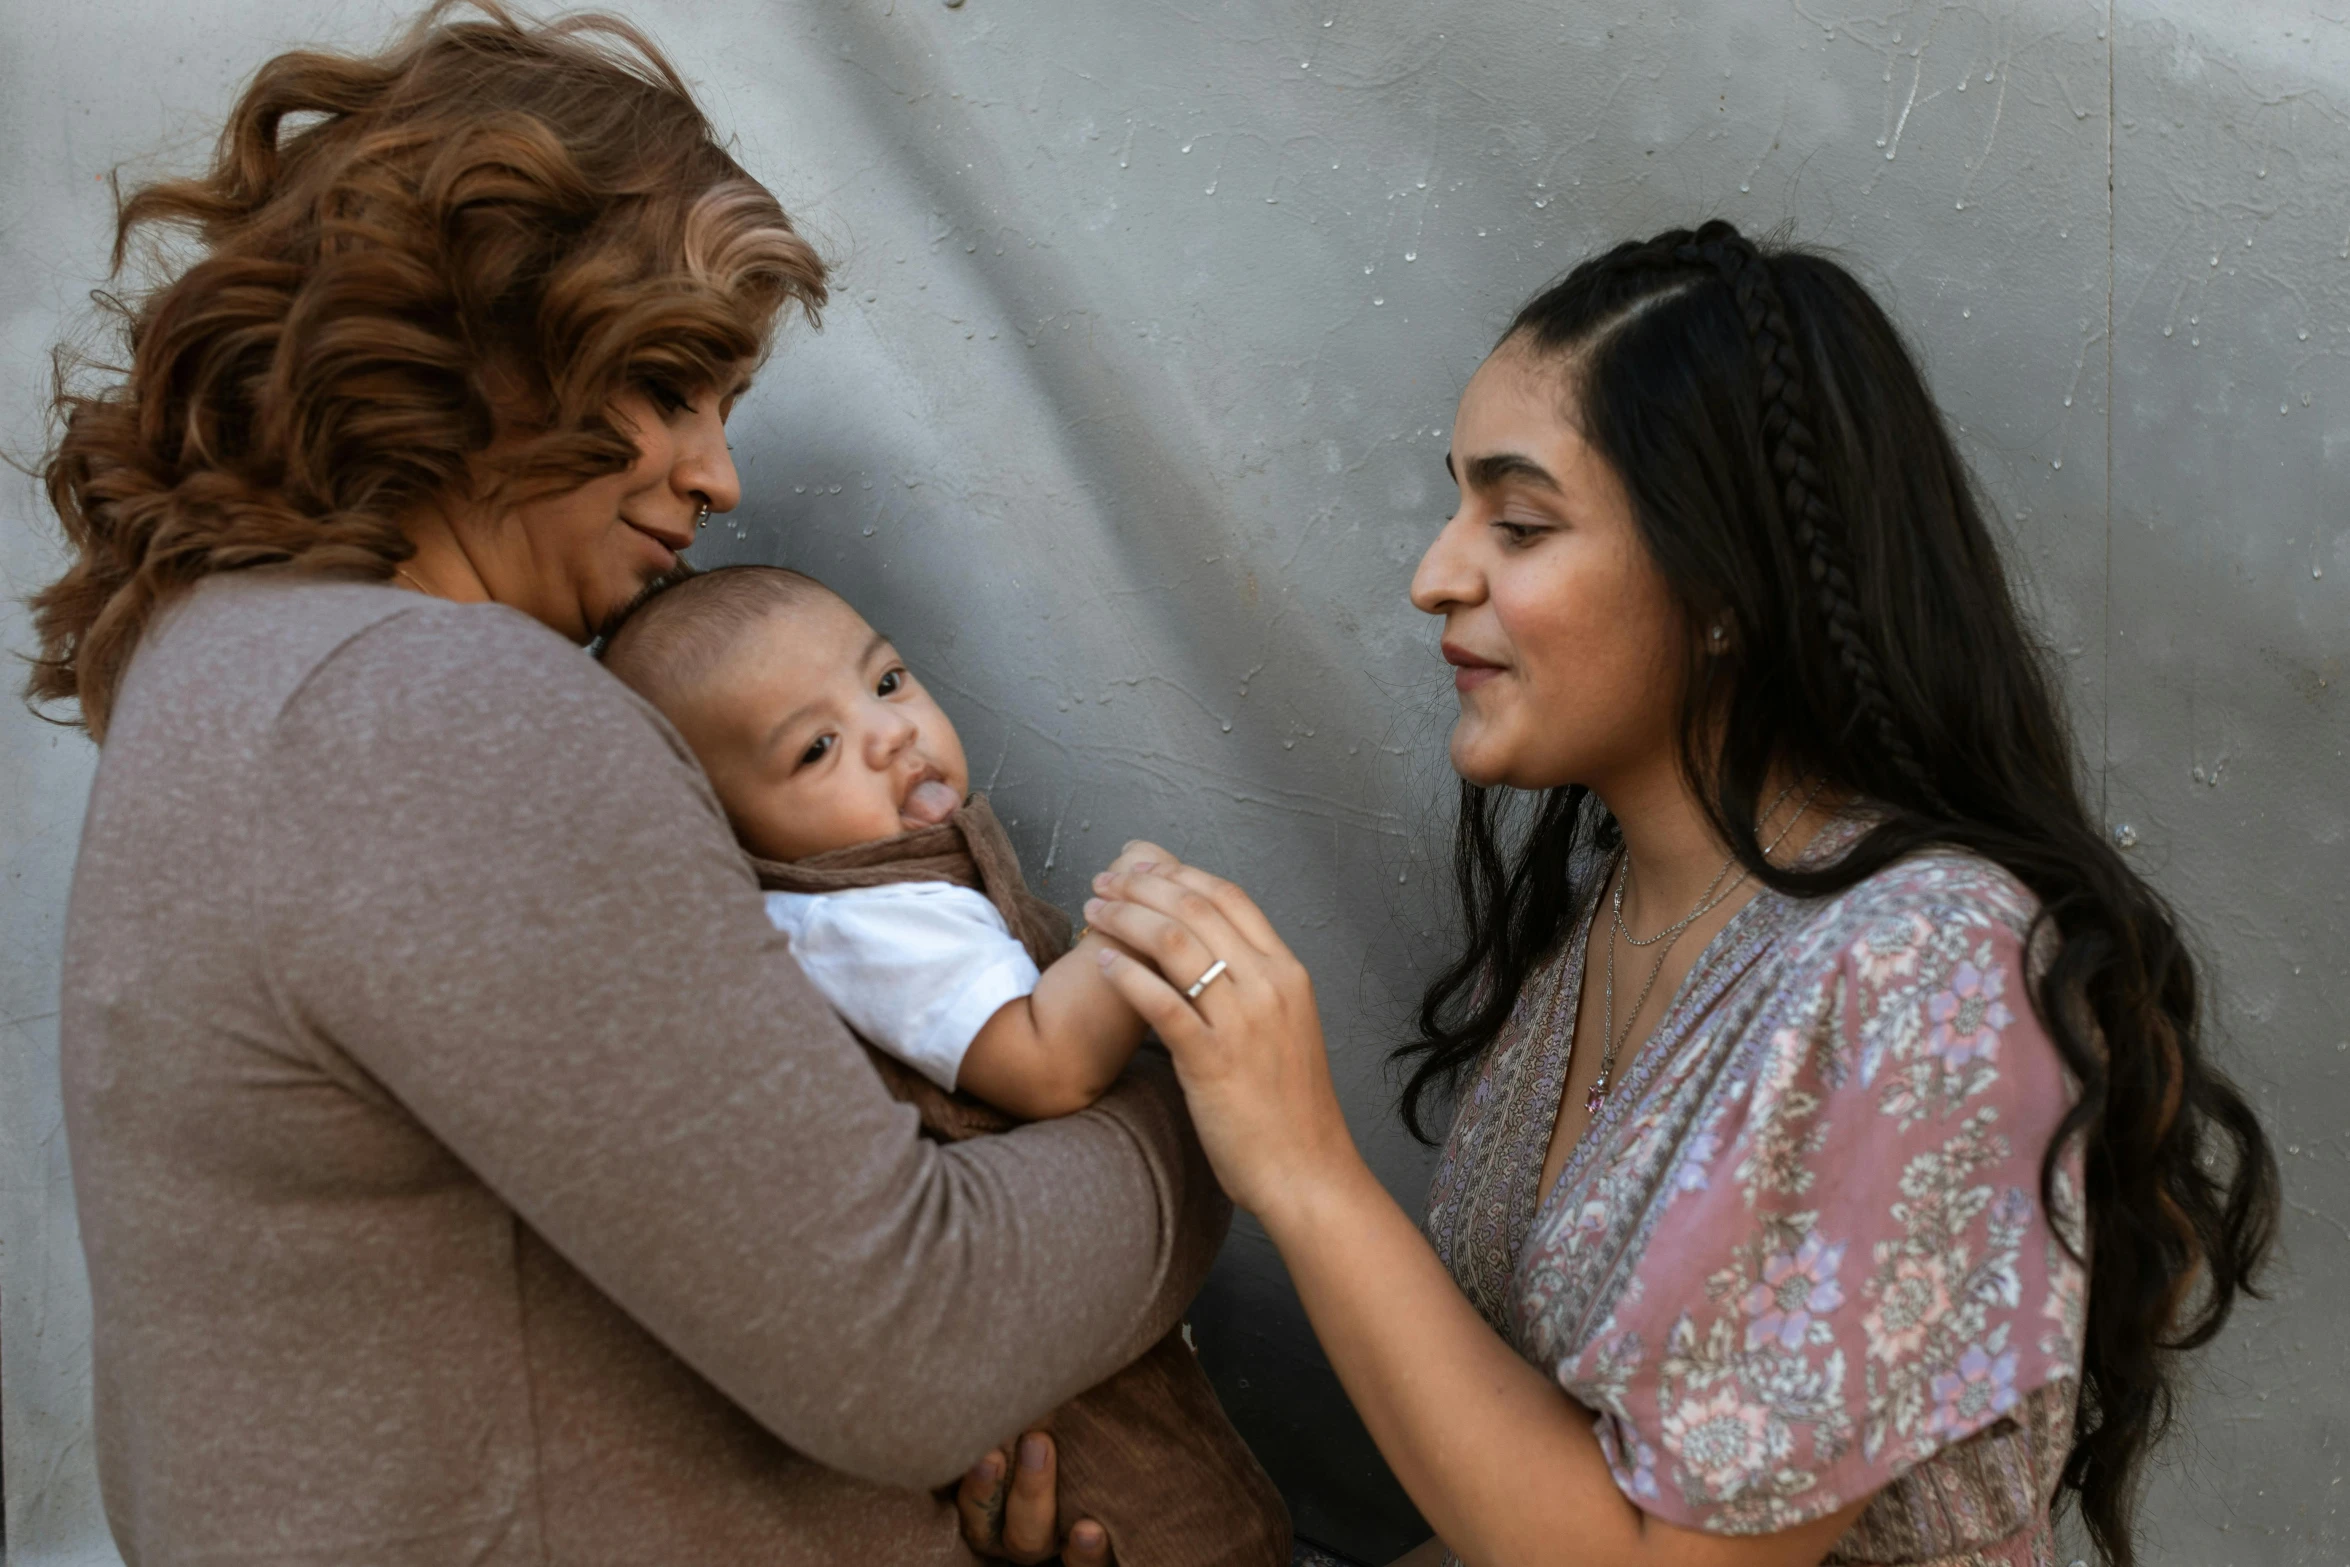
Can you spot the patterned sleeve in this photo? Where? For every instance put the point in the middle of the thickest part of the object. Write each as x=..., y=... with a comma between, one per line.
x=1851, y=1269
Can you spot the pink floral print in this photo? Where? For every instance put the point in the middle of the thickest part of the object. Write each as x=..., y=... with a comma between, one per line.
x=1980, y=1388
x=1800, y=1258
x=1794, y=1285
x=1968, y=1015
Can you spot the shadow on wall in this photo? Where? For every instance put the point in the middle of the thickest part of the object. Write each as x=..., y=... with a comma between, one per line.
x=1257, y=1349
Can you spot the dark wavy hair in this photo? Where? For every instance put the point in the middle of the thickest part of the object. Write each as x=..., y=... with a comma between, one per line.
x=489, y=230
x=1790, y=473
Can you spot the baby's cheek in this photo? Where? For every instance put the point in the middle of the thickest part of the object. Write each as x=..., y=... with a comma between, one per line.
x=763, y=827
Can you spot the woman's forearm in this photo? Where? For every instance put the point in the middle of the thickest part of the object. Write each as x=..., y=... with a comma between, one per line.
x=1501, y=1463
x=1504, y=1466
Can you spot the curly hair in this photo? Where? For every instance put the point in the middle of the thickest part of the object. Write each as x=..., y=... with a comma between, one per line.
x=1790, y=473
x=490, y=230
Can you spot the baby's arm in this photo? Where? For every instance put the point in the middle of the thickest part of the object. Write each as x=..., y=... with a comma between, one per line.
x=1058, y=1049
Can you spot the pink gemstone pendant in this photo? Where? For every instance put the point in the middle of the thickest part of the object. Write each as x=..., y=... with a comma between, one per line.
x=1597, y=1097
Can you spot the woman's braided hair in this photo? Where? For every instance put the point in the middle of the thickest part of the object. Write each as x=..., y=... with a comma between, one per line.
x=1792, y=478
x=1803, y=499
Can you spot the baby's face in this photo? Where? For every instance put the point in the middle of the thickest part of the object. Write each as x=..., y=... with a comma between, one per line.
x=816, y=736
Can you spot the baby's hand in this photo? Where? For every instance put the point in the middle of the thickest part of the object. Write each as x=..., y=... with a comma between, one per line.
x=1141, y=853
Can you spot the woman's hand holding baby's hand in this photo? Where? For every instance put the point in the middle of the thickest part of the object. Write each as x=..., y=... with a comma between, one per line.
x=1248, y=1050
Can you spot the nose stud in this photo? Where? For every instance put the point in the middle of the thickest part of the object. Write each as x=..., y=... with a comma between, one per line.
x=702, y=517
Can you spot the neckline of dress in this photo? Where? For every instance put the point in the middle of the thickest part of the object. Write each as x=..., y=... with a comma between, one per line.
x=1719, y=963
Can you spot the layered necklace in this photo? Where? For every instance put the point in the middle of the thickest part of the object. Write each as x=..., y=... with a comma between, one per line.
x=1716, y=891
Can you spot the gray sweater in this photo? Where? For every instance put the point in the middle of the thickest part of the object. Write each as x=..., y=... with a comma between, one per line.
x=468, y=1175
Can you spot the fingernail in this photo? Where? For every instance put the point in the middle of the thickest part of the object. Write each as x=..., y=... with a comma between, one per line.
x=990, y=1469
x=1146, y=865
x=1087, y=1535
x=1093, y=909
x=1104, y=959
x=1032, y=1451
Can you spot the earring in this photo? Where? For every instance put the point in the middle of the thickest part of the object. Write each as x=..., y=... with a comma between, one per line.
x=1717, y=637
x=702, y=517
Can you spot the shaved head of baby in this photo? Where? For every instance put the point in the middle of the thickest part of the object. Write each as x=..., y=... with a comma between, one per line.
x=810, y=727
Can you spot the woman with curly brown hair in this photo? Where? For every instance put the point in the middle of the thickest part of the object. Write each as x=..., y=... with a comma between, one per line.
x=465, y=1171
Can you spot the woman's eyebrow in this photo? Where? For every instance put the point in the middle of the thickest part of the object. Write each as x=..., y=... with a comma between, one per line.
x=1496, y=467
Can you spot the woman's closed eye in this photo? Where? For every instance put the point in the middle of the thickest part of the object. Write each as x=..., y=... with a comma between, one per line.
x=666, y=397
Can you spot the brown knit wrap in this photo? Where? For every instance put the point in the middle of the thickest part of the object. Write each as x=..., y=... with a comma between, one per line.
x=969, y=849
x=1148, y=1453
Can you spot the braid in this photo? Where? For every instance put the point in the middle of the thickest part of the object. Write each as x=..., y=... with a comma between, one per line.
x=1787, y=434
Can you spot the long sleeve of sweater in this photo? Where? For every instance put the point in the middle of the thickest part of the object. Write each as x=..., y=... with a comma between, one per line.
x=500, y=889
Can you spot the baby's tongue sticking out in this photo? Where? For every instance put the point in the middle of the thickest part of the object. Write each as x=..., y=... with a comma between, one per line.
x=931, y=803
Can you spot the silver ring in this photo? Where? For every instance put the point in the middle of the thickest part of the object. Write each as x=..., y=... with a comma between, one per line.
x=1214, y=973
x=702, y=517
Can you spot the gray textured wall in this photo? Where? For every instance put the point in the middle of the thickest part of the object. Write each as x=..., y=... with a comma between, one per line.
x=1129, y=420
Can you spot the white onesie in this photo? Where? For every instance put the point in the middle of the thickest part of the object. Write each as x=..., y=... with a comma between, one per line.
x=916, y=967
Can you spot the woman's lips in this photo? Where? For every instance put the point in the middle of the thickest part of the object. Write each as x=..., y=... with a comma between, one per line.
x=1469, y=671
x=666, y=549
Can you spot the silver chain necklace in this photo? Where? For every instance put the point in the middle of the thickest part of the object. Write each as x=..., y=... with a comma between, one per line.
x=1707, y=901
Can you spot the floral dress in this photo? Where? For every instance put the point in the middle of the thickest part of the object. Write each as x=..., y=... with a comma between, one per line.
x=1800, y=1257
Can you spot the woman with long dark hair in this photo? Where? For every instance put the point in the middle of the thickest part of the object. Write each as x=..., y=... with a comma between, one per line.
x=1837, y=1168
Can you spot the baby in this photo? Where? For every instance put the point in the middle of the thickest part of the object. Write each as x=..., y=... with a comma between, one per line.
x=817, y=737
x=904, y=906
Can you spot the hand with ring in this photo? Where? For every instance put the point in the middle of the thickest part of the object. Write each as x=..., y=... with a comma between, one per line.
x=1008, y=1509
x=1236, y=1010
